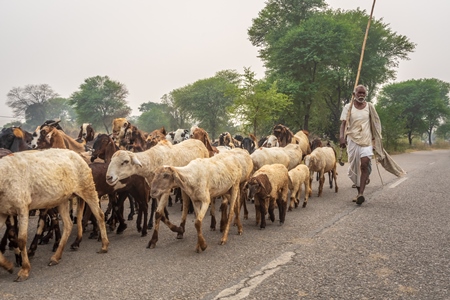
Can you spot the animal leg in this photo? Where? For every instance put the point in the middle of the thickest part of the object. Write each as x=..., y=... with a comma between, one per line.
x=200, y=207
x=212, y=212
x=4, y=263
x=90, y=197
x=233, y=197
x=80, y=210
x=65, y=215
x=24, y=272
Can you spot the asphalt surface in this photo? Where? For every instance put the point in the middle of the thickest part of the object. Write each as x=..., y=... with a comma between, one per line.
x=393, y=246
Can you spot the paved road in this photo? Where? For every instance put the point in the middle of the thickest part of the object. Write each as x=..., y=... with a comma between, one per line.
x=395, y=246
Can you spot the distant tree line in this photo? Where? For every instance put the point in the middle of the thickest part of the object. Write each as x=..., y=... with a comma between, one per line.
x=311, y=54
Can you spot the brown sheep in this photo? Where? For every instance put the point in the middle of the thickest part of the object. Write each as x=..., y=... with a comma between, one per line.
x=269, y=186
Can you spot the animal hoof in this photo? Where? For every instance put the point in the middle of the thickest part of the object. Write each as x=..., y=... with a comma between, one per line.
x=74, y=247
x=143, y=234
x=21, y=278
x=151, y=245
x=53, y=263
x=304, y=204
x=179, y=236
x=121, y=228
x=102, y=251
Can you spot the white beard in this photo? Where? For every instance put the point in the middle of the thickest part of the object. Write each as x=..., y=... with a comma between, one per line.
x=361, y=100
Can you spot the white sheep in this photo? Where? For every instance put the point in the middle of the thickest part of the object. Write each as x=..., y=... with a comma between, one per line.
x=40, y=180
x=295, y=153
x=202, y=180
x=269, y=186
x=271, y=141
x=125, y=163
x=301, y=138
x=298, y=176
x=266, y=156
x=322, y=160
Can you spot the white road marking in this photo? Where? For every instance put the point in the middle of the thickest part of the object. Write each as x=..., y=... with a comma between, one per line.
x=398, y=182
x=242, y=289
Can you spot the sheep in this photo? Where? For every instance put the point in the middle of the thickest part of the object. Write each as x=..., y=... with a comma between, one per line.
x=55, y=138
x=295, y=154
x=322, y=160
x=271, y=141
x=301, y=138
x=201, y=134
x=269, y=185
x=266, y=156
x=177, y=136
x=201, y=180
x=125, y=163
x=46, y=183
x=246, y=164
x=119, y=127
x=298, y=176
x=155, y=136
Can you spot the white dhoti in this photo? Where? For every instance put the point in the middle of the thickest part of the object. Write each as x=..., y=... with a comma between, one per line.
x=355, y=152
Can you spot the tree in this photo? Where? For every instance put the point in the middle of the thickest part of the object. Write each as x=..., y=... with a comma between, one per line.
x=154, y=116
x=30, y=100
x=99, y=101
x=417, y=104
x=258, y=104
x=438, y=106
x=206, y=100
x=443, y=131
x=314, y=55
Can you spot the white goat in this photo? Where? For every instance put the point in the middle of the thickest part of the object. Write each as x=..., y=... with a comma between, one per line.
x=201, y=180
x=269, y=185
x=298, y=176
x=322, y=160
x=125, y=163
x=41, y=180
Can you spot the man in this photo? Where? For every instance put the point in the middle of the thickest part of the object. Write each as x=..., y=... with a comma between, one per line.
x=360, y=132
x=355, y=133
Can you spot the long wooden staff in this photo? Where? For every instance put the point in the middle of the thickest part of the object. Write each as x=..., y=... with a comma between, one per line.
x=359, y=72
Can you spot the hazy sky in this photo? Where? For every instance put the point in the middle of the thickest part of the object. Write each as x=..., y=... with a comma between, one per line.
x=156, y=46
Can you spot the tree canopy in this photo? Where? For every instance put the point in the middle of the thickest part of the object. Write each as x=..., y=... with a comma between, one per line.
x=419, y=105
x=258, y=103
x=314, y=54
x=99, y=100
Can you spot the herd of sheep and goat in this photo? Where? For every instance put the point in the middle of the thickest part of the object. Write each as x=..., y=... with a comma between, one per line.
x=148, y=169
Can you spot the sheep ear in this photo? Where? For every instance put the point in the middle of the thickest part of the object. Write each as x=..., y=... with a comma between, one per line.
x=179, y=179
x=135, y=160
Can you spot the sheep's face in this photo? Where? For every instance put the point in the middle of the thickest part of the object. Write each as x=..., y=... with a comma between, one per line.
x=123, y=164
x=253, y=188
x=162, y=182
